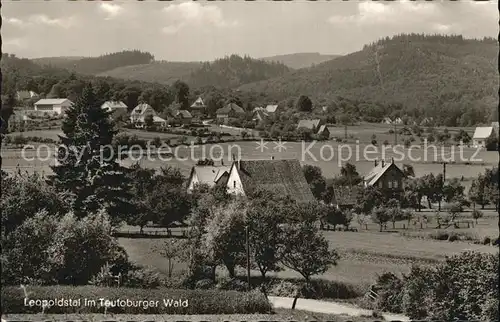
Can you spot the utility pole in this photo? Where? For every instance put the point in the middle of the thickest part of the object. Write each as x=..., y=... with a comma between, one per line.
x=248, y=255
x=395, y=134
x=444, y=172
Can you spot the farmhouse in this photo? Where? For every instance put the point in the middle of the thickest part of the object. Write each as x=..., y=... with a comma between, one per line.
x=53, y=105
x=388, y=177
x=141, y=112
x=198, y=107
x=209, y=175
x=259, y=114
x=271, y=108
x=231, y=110
x=482, y=135
x=284, y=177
x=345, y=197
x=112, y=106
x=324, y=131
x=387, y=120
x=183, y=117
x=312, y=125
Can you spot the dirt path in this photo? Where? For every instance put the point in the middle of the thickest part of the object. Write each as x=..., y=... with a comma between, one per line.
x=329, y=308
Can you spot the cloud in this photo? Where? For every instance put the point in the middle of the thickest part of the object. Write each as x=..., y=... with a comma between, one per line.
x=391, y=13
x=187, y=14
x=111, y=10
x=14, y=22
x=42, y=19
x=14, y=42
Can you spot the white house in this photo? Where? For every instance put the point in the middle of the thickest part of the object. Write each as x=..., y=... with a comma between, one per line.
x=481, y=136
x=139, y=114
x=209, y=175
x=112, y=106
x=53, y=105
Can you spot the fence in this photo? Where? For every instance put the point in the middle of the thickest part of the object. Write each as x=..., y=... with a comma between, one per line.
x=167, y=233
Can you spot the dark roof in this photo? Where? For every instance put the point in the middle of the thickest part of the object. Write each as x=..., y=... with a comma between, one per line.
x=231, y=106
x=184, y=114
x=347, y=196
x=378, y=171
x=308, y=124
x=281, y=176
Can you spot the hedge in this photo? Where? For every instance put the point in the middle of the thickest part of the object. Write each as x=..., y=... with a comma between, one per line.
x=199, y=301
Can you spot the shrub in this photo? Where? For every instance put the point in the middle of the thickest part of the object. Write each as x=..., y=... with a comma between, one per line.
x=486, y=240
x=199, y=301
x=204, y=284
x=388, y=288
x=283, y=288
x=142, y=278
x=452, y=238
x=232, y=284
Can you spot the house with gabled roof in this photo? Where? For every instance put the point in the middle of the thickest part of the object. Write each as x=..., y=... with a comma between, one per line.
x=53, y=105
x=231, y=110
x=141, y=112
x=387, y=120
x=482, y=135
x=386, y=176
x=198, y=107
x=312, y=125
x=209, y=175
x=284, y=177
x=112, y=106
x=324, y=132
x=183, y=116
x=271, y=108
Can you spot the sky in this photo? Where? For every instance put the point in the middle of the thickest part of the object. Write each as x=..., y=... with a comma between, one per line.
x=201, y=31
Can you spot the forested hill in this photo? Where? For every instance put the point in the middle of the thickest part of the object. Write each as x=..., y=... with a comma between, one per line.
x=234, y=71
x=95, y=65
x=448, y=77
x=300, y=60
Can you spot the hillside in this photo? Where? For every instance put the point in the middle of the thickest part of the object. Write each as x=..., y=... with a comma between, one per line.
x=234, y=71
x=56, y=61
x=300, y=60
x=162, y=72
x=95, y=65
x=447, y=77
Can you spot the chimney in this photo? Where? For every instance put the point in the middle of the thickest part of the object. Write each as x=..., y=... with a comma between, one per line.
x=383, y=163
x=376, y=162
x=238, y=164
x=234, y=159
x=392, y=160
x=222, y=161
x=272, y=157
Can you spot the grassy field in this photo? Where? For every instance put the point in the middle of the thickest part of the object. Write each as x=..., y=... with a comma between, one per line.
x=364, y=254
x=280, y=315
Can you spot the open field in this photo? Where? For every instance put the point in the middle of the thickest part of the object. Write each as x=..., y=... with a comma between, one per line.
x=329, y=156
x=364, y=254
x=280, y=315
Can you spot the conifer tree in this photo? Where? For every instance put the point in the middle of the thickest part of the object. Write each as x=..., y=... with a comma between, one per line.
x=88, y=164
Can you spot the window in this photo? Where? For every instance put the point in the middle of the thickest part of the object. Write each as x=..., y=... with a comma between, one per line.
x=395, y=184
x=234, y=184
x=389, y=184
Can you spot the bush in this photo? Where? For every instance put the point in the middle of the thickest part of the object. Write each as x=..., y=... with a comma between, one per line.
x=199, y=301
x=452, y=238
x=232, y=284
x=388, y=288
x=142, y=278
x=486, y=240
x=319, y=289
x=204, y=284
x=283, y=288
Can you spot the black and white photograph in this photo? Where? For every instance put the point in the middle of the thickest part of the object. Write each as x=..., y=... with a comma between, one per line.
x=217, y=161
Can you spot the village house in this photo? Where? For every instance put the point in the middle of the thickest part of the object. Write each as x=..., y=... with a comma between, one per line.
x=141, y=112
x=386, y=176
x=387, y=120
x=184, y=117
x=271, y=108
x=482, y=135
x=112, y=106
x=231, y=110
x=209, y=175
x=284, y=177
x=324, y=131
x=312, y=125
x=56, y=106
x=198, y=108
